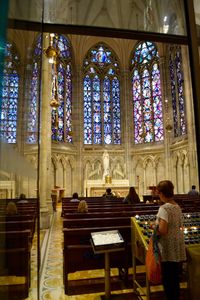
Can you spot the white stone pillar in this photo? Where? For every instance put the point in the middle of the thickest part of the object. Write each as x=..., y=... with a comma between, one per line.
x=192, y=151
x=127, y=125
x=45, y=139
x=166, y=115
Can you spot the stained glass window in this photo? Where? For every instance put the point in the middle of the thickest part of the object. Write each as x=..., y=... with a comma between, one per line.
x=10, y=94
x=177, y=88
x=62, y=127
x=101, y=94
x=146, y=94
x=62, y=121
x=32, y=124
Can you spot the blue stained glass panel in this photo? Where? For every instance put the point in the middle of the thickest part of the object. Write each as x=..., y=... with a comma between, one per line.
x=157, y=103
x=180, y=82
x=62, y=122
x=32, y=114
x=10, y=91
x=87, y=85
x=146, y=92
x=102, y=122
x=177, y=90
x=97, y=135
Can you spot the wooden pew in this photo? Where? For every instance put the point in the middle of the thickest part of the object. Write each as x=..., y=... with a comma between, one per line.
x=109, y=214
x=17, y=217
x=95, y=222
x=79, y=255
x=15, y=261
x=93, y=199
x=19, y=226
x=114, y=209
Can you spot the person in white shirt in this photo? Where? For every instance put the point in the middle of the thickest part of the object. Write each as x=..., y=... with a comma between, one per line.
x=169, y=223
x=193, y=191
x=75, y=198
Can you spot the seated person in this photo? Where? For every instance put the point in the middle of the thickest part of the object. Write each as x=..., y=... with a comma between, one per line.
x=193, y=191
x=75, y=198
x=11, y=208
x=108, y=193
x=22, y=199
x=132, y=197
x=82, y=207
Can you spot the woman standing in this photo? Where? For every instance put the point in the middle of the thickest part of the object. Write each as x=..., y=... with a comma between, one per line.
x=171, y=243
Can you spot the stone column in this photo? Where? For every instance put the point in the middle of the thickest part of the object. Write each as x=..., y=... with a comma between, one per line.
x=195, y=71
x=45, y=139
x=192, y=149
x=166, y=115
x=77, y=156
x=127, y=126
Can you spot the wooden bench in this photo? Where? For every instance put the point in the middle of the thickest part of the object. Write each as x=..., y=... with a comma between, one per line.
x=18, y=226
x=15, y=261
x=108, y=213
x=79, y=255
x=17, y=217
x=95, y=222
x=102, y=209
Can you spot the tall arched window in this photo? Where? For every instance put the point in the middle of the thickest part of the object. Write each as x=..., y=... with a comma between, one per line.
x=101, y=92
x=177, y=90
x=146, y=93
x=10, y=94
x=62, y=128
x=61, y=125
x=32, y=124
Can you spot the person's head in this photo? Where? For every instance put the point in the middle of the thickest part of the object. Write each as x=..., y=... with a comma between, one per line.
x=82, y=206
x=22, y=196
x=11, y=208
x=108, y=190
x=193, y=187
x=75, y=196
x=165, y=188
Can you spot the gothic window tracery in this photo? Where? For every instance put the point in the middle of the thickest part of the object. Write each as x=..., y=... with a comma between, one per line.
x=62, y=131
x=101, y=97
x=146, y=94
x=10, y=95
x=177, y=90
x=62, y=123
x=32, y=124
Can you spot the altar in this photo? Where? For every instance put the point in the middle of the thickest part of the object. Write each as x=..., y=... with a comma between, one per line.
x=96, y=188
x=7, y=189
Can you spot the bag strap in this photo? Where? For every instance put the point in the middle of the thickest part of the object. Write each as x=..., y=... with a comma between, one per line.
x=155, y=239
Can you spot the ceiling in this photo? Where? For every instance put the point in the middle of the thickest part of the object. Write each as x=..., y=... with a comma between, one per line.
x=163, y=16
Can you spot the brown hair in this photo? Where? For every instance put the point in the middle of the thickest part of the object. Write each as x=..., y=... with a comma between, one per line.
x=11, y=208
x=82, y=206
x=133, y=196
x=166, y=187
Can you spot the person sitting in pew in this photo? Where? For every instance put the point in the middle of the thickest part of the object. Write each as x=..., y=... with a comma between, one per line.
x=11, y=208
x=22, y=199
x=109, y=193
x=132, y=197
x=75, y=198
x=82, y=207
x=193, y=191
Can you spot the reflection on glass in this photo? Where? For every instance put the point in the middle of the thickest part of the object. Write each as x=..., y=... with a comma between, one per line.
x=197, y=15
x=161, y=16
